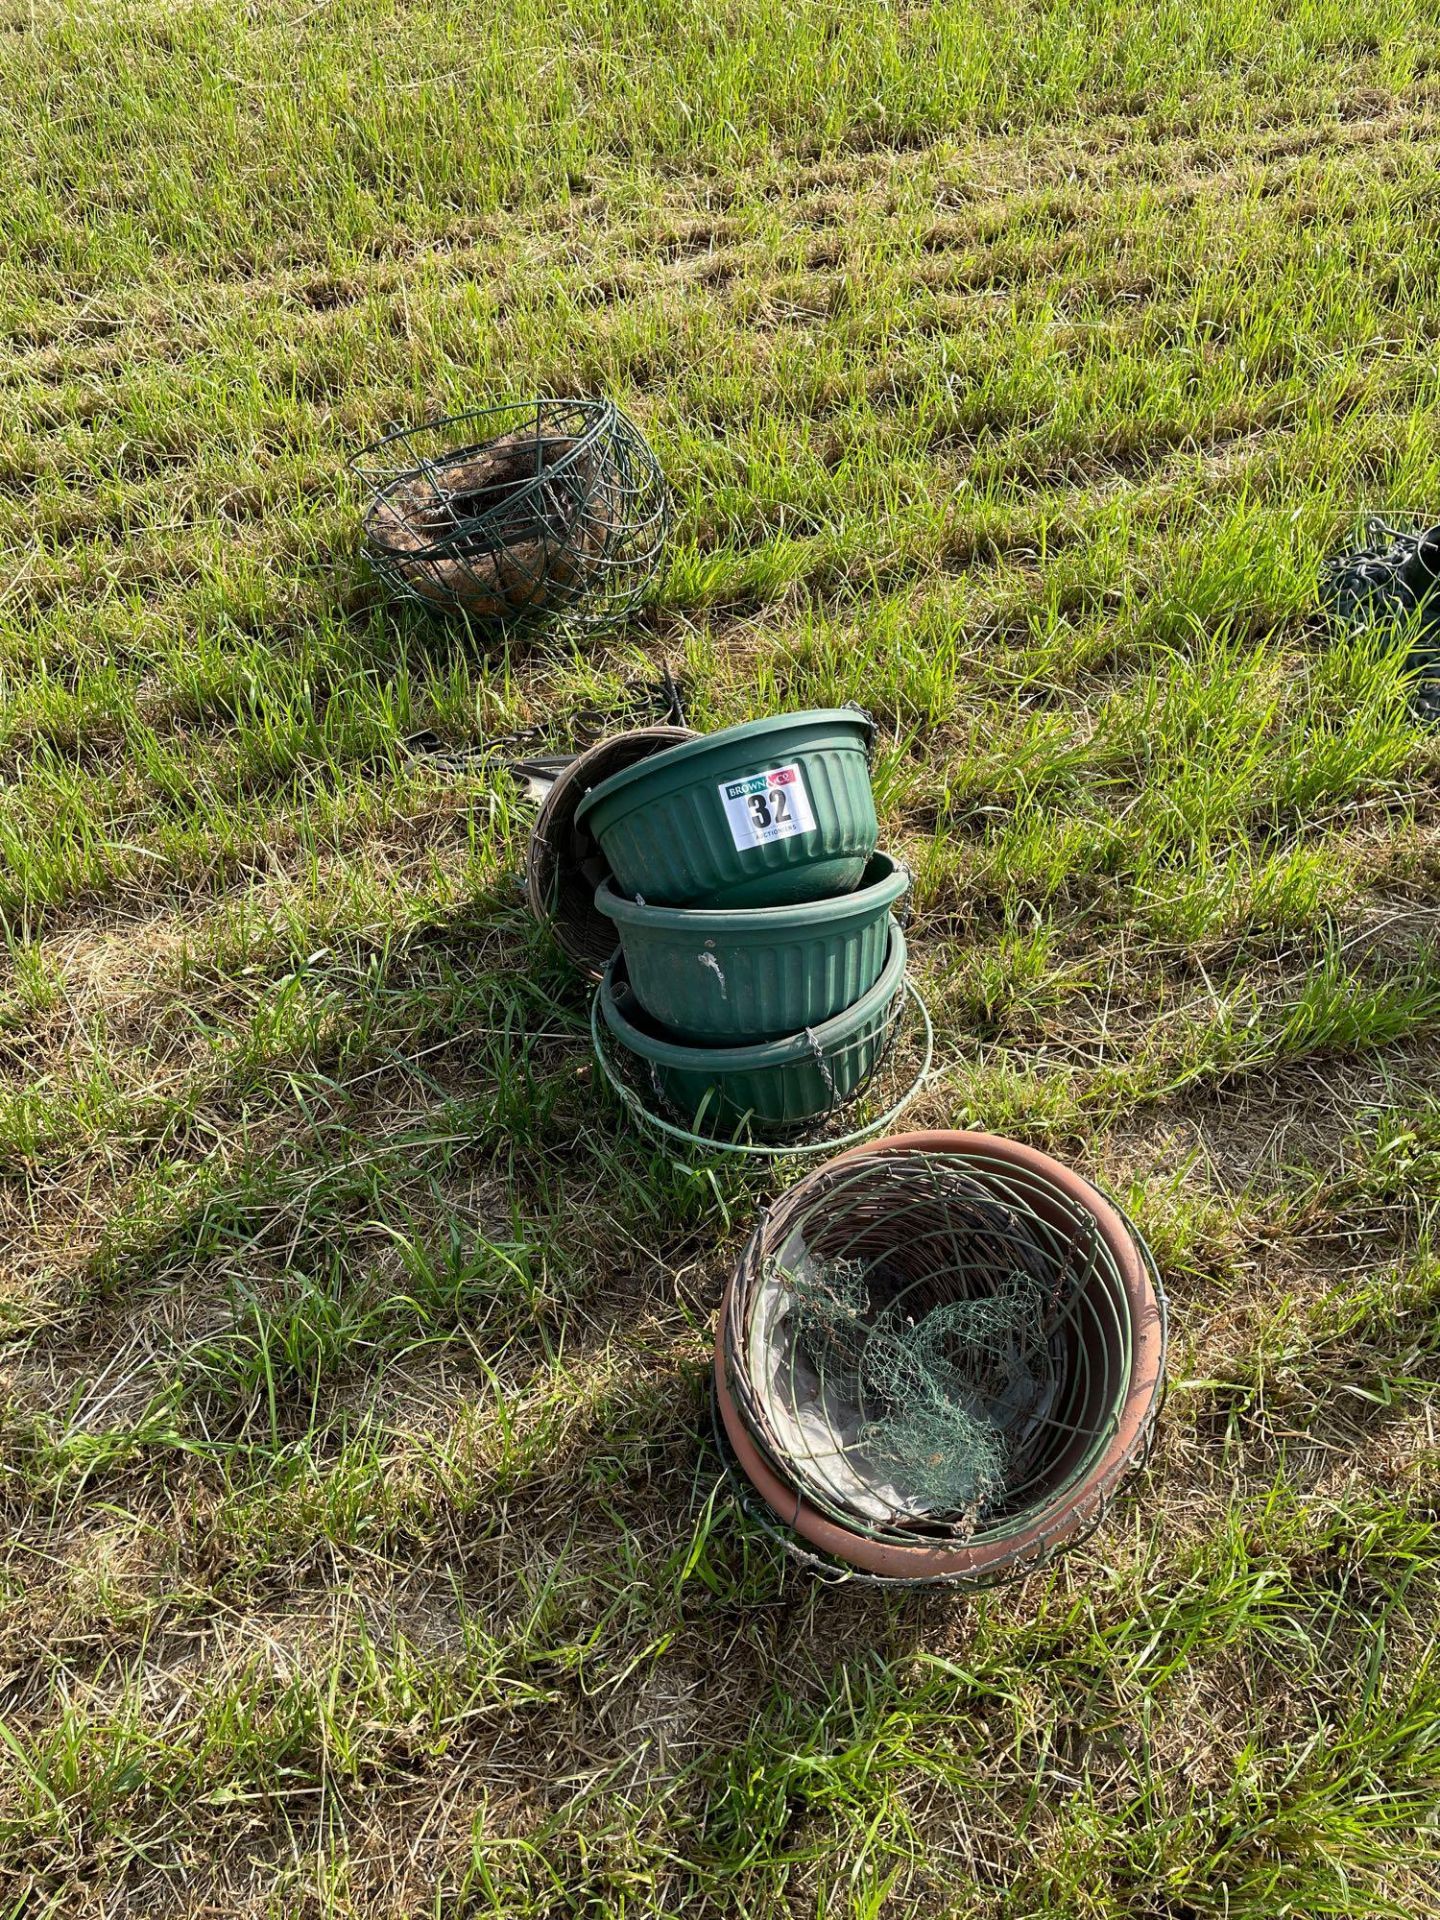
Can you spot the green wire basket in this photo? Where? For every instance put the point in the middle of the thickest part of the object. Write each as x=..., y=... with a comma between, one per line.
x=525, y=511
x=880, y=1451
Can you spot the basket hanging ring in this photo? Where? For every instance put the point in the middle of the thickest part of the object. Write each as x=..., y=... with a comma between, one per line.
x=776, y=1150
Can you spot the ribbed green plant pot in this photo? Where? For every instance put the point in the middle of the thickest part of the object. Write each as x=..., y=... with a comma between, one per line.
x=761, y=815
x=778, y=1083
x=732, y=977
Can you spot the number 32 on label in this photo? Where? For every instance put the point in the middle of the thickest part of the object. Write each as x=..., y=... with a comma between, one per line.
x=767, y=806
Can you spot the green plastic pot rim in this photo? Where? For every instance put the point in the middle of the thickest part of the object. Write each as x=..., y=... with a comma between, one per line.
x=794, y=1147
x=834, y=910
x=789, y=1048
x=1050, y=1524
x=753, y=730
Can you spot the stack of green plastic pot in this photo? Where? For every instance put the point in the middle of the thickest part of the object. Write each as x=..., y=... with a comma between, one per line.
x=760, y=962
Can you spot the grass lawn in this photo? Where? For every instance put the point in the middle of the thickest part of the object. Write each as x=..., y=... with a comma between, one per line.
x=363, y=1551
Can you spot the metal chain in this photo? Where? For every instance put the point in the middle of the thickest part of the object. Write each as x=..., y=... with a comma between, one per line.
x=823, y=1064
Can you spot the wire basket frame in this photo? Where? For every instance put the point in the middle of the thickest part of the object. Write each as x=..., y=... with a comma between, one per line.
x=925, y=1229
x=901, y=1070
x=839, y=1573
x=545, y=509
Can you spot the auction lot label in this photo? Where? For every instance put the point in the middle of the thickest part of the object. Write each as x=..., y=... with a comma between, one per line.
x=767, y=806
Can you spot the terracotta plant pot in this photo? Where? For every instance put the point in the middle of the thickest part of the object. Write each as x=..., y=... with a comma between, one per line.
x=564, y=865
x=1117, y=1336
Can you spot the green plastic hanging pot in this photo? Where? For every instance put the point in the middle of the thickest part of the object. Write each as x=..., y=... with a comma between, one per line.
x=761, y=815
x=778, y=1083
x=731, y=977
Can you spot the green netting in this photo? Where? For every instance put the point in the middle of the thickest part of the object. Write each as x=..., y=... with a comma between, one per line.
x=939, y=1396
x=935, y=1347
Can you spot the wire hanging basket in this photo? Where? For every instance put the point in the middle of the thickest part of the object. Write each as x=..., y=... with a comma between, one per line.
x=938, y=1359
x=531, y=510
x=863, y=1096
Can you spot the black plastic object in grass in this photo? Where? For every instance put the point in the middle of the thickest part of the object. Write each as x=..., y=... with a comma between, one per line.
x=1392, y=582
x=528, y=511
